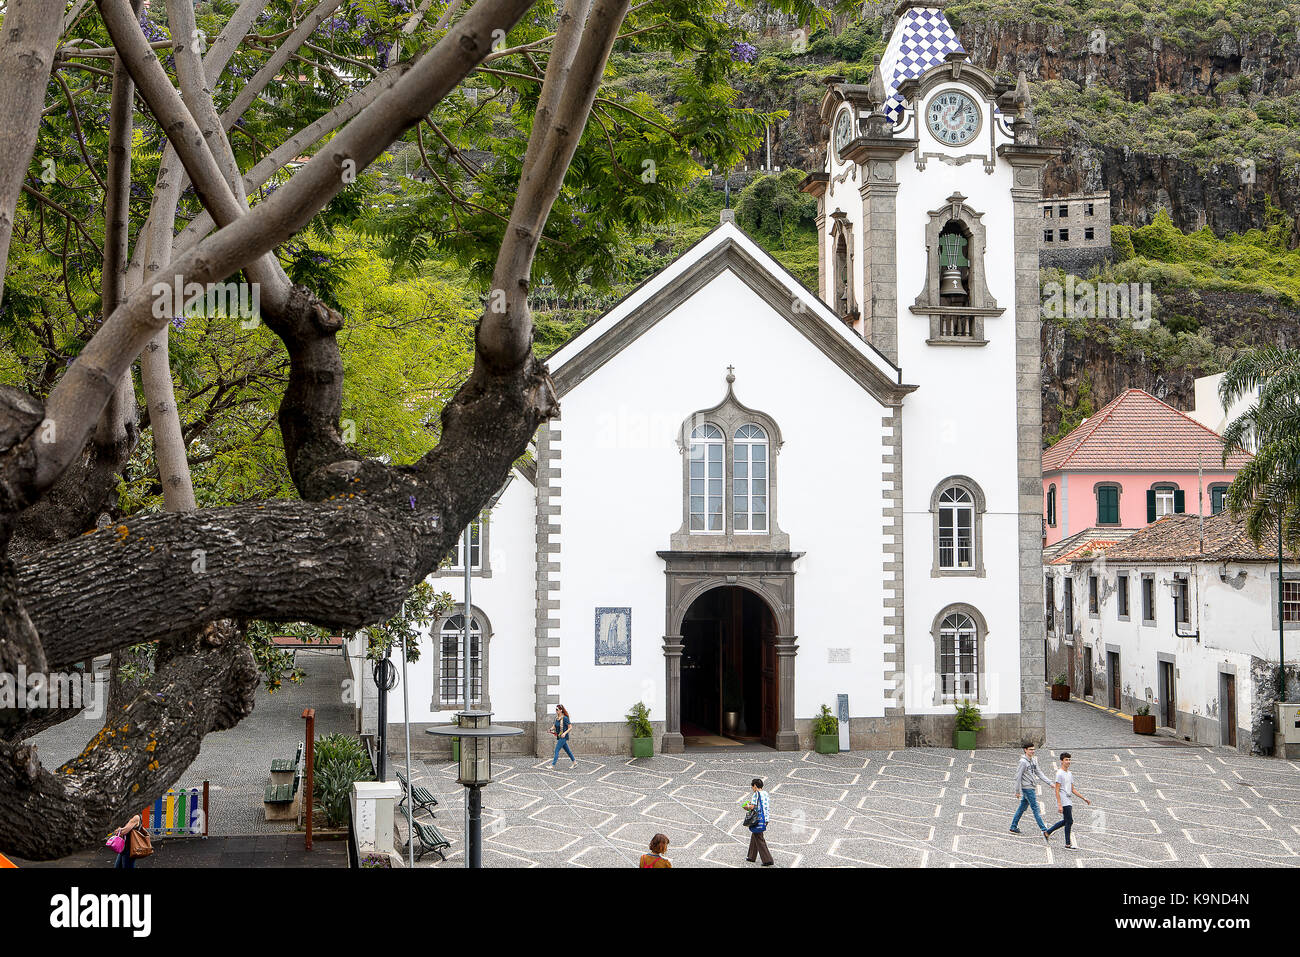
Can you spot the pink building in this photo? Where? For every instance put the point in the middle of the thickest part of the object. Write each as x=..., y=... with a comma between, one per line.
x=1133, y=462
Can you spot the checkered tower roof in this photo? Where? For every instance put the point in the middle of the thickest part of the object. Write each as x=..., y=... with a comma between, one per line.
x=922, y=38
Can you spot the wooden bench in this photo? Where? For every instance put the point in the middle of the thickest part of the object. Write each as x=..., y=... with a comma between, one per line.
x=287, y=765
x=420, y=798
x=429, y=837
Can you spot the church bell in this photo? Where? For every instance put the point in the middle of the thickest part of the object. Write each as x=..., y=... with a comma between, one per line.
x=950, y=282
x=952, y=256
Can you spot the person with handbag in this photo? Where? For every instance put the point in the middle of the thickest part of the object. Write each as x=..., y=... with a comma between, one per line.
x=561, y=734
x=757, y=808
x=121, y=842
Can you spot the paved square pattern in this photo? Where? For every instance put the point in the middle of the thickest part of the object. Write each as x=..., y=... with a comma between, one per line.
x=1155, y=804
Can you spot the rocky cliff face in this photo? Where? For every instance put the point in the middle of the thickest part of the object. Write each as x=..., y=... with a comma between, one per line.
x=1074, y=358
x=1141, y=183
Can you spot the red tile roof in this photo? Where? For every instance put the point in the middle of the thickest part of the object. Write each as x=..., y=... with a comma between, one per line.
x=1138, y=432
x=1177, y=538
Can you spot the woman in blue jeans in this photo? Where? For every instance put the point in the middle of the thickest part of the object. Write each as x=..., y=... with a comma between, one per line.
x=561, y=731
x=124, y=859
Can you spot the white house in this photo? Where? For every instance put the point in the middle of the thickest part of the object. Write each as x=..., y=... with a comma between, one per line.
x=753, y=502
x=1182, y=619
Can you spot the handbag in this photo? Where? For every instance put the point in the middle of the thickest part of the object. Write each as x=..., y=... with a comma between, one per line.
x=115, y=843
x=139, y=843
x=751, y=817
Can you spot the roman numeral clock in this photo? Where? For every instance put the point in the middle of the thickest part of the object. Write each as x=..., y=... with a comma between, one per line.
x=953, y=118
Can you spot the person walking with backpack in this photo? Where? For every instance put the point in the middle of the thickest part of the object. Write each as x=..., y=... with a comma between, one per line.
x=1064, y=802
x=757, y=807
x=561, y=731
x=1028, y=774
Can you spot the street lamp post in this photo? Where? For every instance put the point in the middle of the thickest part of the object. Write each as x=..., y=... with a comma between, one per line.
x=476, y=731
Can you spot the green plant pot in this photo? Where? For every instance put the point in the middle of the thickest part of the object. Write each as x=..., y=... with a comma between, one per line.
x=455, y=749
x=643, y=747
x=827, y=744
x=964, y=740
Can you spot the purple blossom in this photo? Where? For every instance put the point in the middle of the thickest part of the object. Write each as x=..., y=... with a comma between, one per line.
x=178, y=322
x=743, y=52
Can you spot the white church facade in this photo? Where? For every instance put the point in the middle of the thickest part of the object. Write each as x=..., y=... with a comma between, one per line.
x=758, y=498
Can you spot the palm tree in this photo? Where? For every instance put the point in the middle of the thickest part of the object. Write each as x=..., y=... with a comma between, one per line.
x=1267, y=488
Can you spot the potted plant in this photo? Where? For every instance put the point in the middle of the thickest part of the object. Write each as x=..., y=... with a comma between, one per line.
x=643, y=741
x=826, y=732
x=1144, y=722
x=967, y=726
x=1060, y=690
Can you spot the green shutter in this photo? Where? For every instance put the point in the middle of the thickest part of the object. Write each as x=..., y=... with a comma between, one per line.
x=1180, y=500
x=1151, y=505
x=1108, y=505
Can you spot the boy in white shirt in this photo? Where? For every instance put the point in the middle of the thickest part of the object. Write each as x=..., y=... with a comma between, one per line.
x=1064, y=804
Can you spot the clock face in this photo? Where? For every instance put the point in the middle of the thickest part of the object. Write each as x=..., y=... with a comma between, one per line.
x=953, y=118
x=843, y=130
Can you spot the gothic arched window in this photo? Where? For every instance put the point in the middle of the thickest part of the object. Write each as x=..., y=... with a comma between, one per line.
x=706, y=478
x=749, y=479
x=959, y=665
x=451, y=658
x=958, y=508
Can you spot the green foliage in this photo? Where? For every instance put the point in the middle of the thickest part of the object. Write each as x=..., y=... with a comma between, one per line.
x=1061, y=679
x=773, y=208
x=968, y=717
x=1144, y=710
x=1072, y=418
x=339, y=760
x=638, y=719
x=422, y=607
x=1266, y=490
x=825, y=722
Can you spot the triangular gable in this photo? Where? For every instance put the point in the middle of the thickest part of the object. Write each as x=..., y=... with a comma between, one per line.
x=726, y=248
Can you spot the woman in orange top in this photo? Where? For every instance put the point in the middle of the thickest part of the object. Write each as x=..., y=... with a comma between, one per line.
x=658, y=847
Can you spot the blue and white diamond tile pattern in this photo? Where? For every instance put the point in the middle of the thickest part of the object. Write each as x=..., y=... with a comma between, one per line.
x=922, y=39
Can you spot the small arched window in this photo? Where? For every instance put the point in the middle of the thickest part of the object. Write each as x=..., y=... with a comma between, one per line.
x=954, y=265
x=956, y=528
x=706, y=477
x=451, y=657
x=749, y=480
x=959, y=666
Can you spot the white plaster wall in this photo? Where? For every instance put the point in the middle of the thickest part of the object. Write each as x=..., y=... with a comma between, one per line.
x=621, y=497
x=507, y=599
x=960, y=421
x=1235, y=623
x=845, y=197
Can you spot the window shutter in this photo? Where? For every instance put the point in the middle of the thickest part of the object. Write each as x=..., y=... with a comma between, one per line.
x=1180, y=500
x=1151, y=505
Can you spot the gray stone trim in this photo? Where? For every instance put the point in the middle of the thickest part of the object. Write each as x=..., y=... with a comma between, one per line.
x=1124, y=612
x=981, y=302
x=879, y=193
x=843, y=232
x=977, y=528
x=485, y=628
x=770, y=576
x=1273, y=586
x=485, y=554
x=981, y=632
x=729, y=415
x=1142, y=599
x=547, y=624
x=892, y=574
x=886, y=388
x=1027, y=191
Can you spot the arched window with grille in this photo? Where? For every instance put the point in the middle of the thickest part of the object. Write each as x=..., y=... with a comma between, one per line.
x=749, y=480
x=451, y=657
x=707, y=448
x=729, y=479
x=959, y=636
x=958, y=508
